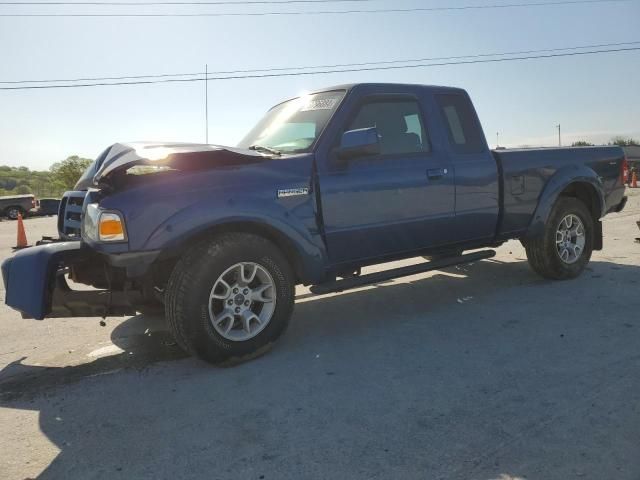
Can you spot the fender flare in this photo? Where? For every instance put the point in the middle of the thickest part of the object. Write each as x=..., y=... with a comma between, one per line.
x=198, y=219
x=558, y=182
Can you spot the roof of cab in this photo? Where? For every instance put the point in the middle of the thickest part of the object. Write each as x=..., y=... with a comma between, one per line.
x=400, y=86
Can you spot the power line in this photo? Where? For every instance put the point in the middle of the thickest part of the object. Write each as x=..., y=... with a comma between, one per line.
x=315, y=67
x=162, y=75
x=319, y=12
x=222, y=2
x=322, y=72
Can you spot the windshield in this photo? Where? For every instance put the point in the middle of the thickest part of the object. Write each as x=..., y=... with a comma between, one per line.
x=294, y=126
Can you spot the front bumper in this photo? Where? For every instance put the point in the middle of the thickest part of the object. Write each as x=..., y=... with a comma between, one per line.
x=36, y=286
x=29, y=276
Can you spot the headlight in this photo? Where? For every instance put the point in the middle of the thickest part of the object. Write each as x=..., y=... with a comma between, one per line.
x=104, y=226
x=111, y=227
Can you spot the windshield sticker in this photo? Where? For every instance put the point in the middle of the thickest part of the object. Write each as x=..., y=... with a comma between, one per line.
x=319, y=104
x=292, y=192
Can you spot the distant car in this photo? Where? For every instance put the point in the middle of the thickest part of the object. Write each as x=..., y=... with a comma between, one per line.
x=48, y=206
x=11, y=206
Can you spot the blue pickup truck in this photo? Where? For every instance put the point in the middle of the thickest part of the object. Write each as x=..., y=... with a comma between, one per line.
x=323, y=185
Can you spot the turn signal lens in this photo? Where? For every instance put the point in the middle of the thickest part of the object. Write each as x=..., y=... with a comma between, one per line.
x=111, y=227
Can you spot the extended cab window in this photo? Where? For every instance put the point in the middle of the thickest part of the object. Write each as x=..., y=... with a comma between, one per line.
x=464, y=131
x=399, y=125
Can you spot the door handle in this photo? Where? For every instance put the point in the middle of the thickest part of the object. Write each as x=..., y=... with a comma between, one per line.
x=436, y=173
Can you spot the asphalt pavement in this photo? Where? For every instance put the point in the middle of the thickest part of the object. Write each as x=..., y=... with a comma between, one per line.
x=481, y=371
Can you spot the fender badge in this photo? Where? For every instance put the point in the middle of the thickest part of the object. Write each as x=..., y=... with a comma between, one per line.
x=293, y=192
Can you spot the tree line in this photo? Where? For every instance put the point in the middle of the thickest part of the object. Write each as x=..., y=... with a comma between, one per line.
x=60, y=177
x=63, y=175
x=620, y=141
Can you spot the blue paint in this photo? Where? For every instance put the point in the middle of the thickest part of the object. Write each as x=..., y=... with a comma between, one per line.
x=28, y=276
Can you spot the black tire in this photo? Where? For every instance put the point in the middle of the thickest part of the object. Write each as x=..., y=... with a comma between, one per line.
x=12, y=212
x=542, y=252
x=191, y=282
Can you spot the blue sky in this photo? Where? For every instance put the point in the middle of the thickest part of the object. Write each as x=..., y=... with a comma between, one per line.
x=593, y=97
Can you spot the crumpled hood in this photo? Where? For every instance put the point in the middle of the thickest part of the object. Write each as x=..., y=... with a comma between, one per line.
x=118, y=158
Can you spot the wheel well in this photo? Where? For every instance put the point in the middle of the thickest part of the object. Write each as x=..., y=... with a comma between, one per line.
x=271, y=234
x=587, y=194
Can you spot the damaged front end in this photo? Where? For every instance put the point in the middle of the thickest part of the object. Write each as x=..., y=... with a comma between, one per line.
x=37, y=283
x=117, y=277
x=124, y=162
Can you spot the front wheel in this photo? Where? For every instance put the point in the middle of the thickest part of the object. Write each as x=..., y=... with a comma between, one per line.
x=564, y=249
x=230, y=298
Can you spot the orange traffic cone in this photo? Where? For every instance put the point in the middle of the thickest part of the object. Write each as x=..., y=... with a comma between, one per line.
x=22, y=236
x=634, y=180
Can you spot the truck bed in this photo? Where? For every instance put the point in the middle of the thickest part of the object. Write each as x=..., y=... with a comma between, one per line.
x=527, y=173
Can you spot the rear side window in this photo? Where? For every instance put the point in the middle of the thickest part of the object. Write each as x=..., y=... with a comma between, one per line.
x=399, y=125
x=464, y=131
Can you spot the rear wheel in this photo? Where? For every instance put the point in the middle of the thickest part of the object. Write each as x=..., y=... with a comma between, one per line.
x=230, y=298
x=13, y=212
x=565, y=248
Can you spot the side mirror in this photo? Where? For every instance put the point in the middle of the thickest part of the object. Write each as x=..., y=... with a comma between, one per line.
x=359, y=143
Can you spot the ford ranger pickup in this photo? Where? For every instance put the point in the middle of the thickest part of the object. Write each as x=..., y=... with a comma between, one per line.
x=325, y=184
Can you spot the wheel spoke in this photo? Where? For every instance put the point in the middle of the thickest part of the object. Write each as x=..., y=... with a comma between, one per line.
x=258, y=294
x=225, y=286
x=564, y=255
x=559, y=237
x=225, y=316
x=248, y=272
x=247, y=318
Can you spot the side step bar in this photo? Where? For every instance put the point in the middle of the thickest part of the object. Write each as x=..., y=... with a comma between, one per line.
x=377, y=277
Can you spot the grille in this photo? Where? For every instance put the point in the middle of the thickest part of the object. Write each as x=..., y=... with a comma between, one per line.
x=70, y=215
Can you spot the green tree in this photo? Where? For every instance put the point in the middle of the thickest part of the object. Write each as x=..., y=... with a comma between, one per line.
x=624, y=142
x=22, y=190
x=582, y=143
x=67, y=172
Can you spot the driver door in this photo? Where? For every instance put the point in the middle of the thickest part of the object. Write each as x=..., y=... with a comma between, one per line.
x=399, y=200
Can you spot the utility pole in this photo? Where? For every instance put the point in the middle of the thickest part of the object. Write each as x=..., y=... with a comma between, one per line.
x=497, y=139
x=206, y=102
x=559, y=136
